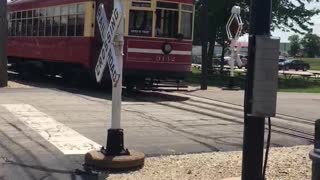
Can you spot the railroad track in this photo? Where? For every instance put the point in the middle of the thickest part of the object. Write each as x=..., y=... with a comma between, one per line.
x=282, y=124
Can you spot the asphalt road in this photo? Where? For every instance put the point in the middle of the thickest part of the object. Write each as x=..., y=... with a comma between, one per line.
x=45, y=130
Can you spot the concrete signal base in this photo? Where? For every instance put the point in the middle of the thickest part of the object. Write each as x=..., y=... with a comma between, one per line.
x=100, y=161
x=231, y=86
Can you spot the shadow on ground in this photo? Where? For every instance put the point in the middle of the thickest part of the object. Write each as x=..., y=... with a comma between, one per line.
x=87, y=87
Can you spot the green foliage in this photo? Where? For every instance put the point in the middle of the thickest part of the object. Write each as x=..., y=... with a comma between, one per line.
x=286, y=14
x=311, y=45
x=294, y=45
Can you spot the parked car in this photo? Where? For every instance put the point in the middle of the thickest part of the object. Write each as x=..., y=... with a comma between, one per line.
x=294, y=64
x=281, y=60
x=243, y=59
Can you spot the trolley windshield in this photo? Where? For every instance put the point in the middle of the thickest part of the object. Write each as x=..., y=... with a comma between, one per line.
x=148, y=18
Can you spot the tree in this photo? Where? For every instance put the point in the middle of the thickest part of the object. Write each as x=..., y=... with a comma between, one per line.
x=217, y=19
x=311, y=45
x=3, y=37
x=285, y=15
x=294, y=45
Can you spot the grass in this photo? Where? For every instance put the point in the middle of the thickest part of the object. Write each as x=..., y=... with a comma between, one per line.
x=314, y=63
x=285, y=85
x=215, y=80
x=299, y=85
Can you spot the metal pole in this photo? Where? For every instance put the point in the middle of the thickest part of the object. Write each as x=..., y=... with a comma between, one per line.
x=3, y=44
x=115, y=140
x=117, y=90
x=253, y=142
x=315, y=154
x=231, y=78
x=204, y=39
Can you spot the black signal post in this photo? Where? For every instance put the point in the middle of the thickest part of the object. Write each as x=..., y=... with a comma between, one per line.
x=253, y=143
x=3, y=40
x=204, y=40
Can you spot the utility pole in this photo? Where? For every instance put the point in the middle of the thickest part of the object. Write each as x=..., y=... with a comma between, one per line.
x=3, y=44
x=204, y=40
x=253, y=143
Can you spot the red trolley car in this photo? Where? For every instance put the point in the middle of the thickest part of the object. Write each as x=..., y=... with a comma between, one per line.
x=63, y=34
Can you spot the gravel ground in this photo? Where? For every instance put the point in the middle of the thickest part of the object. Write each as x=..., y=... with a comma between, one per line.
x=12, y=84
x=284, y=164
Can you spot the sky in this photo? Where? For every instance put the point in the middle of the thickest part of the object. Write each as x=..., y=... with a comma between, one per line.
x=284, y=35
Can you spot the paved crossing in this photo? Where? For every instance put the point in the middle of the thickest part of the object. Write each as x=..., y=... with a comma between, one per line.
x=45, y=132
x=67, y=140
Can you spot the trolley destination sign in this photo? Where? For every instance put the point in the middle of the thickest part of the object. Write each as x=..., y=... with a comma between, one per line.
x=107, y=55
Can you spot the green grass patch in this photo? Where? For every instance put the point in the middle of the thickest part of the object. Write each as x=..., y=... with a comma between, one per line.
x=215, y=79
x=314, y=63
x=296, y=84
x=299, y=85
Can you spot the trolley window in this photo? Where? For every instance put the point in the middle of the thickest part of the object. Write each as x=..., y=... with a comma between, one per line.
x=29, y=27
x=66, y=20
x=56, y=26
x=186, y=21
x=49, y=23
x=35, y=26
x=71, y=25
x=63, y=25
x=19, y=27
x=24, y=27
x=13, y=27
x=42, y=26
x=141, y=3
x=80, y=25
x=167, y=18
x=140, y=23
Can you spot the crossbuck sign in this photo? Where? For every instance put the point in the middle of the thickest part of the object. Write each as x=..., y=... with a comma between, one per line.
x=107, y=54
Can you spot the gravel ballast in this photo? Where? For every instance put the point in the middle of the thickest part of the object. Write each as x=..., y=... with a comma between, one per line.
x=12, y=84
x=284, y=164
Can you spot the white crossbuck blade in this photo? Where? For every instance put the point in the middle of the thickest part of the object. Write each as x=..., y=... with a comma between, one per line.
x=235, y=51
x=108, y=32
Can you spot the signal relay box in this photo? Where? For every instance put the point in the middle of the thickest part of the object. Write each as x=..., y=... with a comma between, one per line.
x=265, y=82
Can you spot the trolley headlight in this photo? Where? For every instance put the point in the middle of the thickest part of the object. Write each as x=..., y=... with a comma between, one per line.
x=167, y=48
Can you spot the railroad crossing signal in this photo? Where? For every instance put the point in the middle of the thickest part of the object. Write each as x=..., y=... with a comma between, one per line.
x=114, y=156
x=235, y=18
x=107, y=55
x=235, y=56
